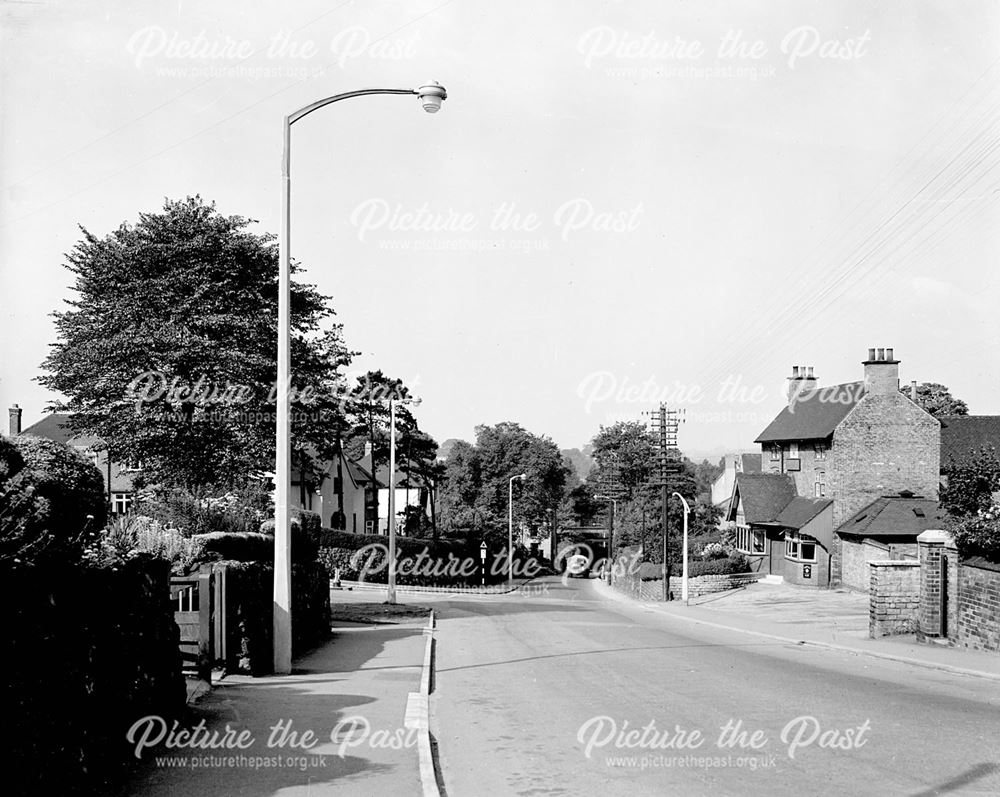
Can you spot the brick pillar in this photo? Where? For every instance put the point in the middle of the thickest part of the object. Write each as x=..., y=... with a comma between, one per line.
x=930, y=548
x=950, y=554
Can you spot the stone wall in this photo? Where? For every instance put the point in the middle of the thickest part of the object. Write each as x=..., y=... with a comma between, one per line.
x=894, y=597
x=652, y=590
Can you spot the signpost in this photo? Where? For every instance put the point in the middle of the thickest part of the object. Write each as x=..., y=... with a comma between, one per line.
x=482, y=558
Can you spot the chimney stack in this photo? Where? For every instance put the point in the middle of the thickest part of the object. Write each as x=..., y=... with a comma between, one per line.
x=913, y=391
x=881, y=373
x=801, y=381
x=15, y=420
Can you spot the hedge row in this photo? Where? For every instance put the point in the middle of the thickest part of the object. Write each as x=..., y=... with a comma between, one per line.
x=87, y=652
x=421, y=562
x=250, y=607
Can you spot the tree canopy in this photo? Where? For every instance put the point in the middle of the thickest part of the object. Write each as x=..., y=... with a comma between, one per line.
x=474, y=494
x=937, y=400
x=168, y=352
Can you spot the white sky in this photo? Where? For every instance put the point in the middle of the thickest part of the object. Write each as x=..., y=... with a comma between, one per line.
x=697, y=216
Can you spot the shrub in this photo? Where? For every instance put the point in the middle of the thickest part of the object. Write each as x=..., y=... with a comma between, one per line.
x=253, y=546
x=979, y=534
x=54, y=500
x=130, y=536
x=201, y=512
x=735, y=563
x=444, y=559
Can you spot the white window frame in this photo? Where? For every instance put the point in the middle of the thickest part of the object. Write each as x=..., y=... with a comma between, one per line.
x=793, y=450
x=793, y=547
x=775, y=453
x=819, y=487
x=821, y=450
x=121, y=502
x=751, y=541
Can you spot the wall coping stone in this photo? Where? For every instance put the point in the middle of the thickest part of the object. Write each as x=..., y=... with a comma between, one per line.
x=935, y=537
x=895, y=563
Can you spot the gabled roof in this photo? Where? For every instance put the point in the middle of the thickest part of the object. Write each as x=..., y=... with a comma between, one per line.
x=413, y=481
x=901, y=515
x=358, y=474
x=764, y=495
x=800, y=511
x=962, y=435
x=814, y=414
x=55, y=426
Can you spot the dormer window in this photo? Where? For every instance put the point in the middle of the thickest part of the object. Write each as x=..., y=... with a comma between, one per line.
x=821, y=451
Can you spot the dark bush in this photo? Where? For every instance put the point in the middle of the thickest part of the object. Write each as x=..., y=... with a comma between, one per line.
x=250, y=606
x=436, y=562
x=733, y=564
x=254, y=546
x=203, y=511
x=87, y=652
x=53, y=497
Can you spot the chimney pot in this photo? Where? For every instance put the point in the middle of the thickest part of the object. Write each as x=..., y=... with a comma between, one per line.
x=810, y=374
x=888, y=354
x=795, y=372
x=871, y=354
x=913, y=390
x=881, y=354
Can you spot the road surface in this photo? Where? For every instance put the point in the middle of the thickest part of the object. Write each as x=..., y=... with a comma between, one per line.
x=557, y=691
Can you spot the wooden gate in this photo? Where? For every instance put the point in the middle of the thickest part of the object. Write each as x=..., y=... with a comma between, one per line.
x=200, y=614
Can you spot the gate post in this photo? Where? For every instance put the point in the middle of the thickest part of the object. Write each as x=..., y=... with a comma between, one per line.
x=205, y=631
x=933, y=586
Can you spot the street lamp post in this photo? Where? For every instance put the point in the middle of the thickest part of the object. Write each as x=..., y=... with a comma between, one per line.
x=510, y=527
x=431, y=97
x=684, y=567
x=611, y=530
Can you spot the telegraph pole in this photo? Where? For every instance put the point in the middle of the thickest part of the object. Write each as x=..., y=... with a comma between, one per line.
x=664, y=423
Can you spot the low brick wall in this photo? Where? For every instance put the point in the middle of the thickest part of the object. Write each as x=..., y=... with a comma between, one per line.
x=707, y=585
x=894, y=598
x=978, y=623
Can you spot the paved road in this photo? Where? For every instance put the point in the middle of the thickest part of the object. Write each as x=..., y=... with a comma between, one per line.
x=535, y=690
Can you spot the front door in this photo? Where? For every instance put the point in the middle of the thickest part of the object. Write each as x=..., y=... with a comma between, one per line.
x=776, y=542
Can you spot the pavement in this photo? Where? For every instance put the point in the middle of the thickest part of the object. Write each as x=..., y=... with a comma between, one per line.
x=836, y=619
x=351, y=694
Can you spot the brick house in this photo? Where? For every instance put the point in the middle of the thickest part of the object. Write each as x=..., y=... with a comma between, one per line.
x=118, y=478
x=848, y=444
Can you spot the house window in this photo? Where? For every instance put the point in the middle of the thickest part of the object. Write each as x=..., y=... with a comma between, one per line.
x=793, y=450
x=799, y=548
x=369, y=527
x=749, y=540
x=121, y=502
x=132, y=466
x=775, y=452
x=820, y=486
x=821, y=451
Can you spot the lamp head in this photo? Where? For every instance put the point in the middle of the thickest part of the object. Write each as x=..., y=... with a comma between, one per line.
x=431, y=96
x=523, y=476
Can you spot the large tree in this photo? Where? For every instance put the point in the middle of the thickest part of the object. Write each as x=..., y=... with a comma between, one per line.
x=937, y=400
x=475, y=491
x=168, y=351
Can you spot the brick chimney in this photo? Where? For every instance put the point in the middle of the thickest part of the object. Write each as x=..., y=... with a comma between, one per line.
x=368, y=461
x=801, y=381
x=881, y=373
x=15, y=420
